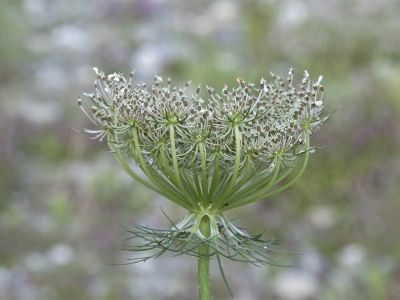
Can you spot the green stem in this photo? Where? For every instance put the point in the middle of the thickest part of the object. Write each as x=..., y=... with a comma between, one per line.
x=259, y=196
x=169, y=190
x=204, y=179
x=174, y=157
x=238, y=139
x=130, y=172
x=215, y=176
x=203, y=262
x=236, y=168
x=260, y=189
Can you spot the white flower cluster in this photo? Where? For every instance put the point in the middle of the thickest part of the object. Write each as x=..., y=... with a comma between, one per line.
x=262, y=120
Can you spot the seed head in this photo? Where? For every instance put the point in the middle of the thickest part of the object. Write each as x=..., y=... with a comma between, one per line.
x=174, y=126
x=208, y=153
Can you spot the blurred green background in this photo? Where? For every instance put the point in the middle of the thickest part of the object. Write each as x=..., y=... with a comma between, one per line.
x=63, y=198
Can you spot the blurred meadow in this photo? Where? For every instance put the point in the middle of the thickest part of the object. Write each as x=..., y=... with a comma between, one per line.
x=65, y=202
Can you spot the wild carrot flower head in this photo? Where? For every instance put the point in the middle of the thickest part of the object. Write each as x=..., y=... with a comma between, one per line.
x=208, y=151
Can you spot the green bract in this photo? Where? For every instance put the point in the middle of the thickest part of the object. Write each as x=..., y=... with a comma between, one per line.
x=208, y=154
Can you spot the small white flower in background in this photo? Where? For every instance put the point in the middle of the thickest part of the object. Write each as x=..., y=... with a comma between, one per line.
x=352, y=256
x=296, y=285
x=36, y=262
x=61, y=254
x=322, y=217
